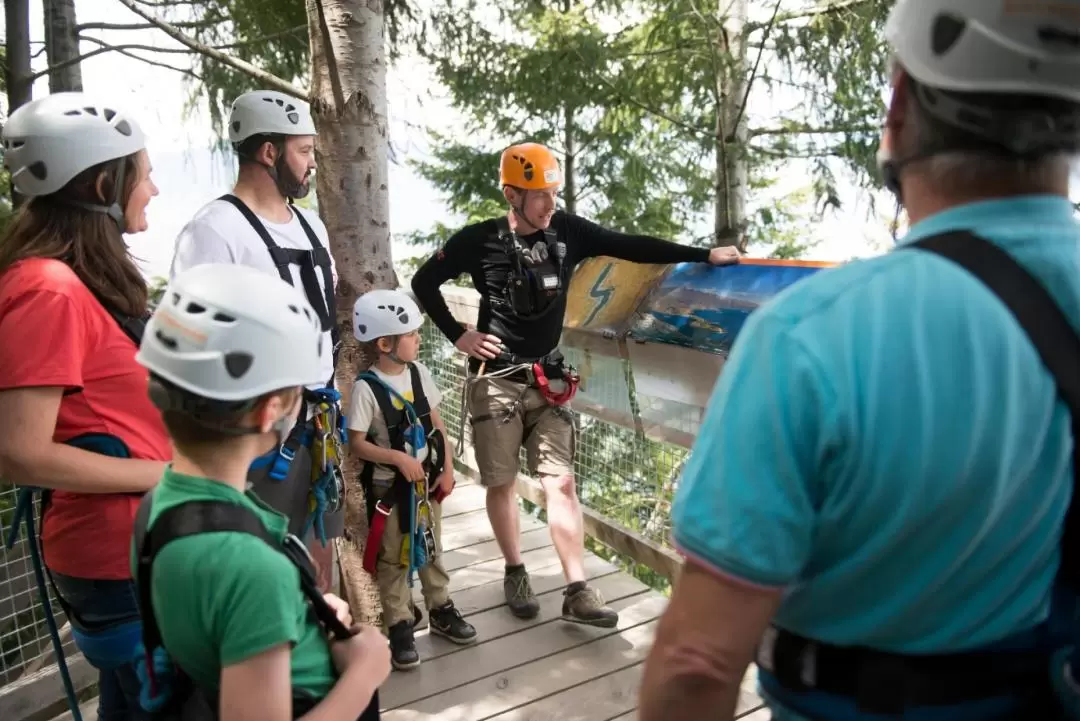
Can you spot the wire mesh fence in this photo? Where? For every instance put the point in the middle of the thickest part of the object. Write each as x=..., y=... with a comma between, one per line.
x=24, y=635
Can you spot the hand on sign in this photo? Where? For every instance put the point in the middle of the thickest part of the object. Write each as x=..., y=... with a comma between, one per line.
x=482, y=346
x=725, y=255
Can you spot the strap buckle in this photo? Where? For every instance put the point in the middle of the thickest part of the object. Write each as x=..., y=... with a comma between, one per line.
x=382, y=509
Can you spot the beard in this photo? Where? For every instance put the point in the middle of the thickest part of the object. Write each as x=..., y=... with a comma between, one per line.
x=288, y=183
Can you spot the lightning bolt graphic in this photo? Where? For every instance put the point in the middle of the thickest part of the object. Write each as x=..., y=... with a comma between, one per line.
x=603, y=295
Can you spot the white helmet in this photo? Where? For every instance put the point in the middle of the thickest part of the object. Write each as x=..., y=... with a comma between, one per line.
x=233, y=333
x=268, y=112
x=48, y=142
x=977, y=46
x=381, y=313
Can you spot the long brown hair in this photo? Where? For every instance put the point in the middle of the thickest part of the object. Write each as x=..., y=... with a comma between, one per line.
x=88, y=241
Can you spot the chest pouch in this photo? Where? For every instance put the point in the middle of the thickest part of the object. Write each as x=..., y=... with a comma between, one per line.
x=414, y=436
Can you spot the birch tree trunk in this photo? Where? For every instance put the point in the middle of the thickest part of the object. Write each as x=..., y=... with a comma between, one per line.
x=731, y=176
x=348, y=101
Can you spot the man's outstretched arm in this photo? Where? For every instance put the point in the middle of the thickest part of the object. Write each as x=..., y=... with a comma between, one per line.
x=596, y=240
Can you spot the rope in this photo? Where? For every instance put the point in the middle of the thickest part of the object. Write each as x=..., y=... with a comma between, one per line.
x=467, y=386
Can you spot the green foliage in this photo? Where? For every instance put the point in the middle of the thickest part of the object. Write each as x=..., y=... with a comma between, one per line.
x=644, y=109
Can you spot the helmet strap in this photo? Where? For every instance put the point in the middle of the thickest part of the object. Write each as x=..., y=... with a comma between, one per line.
x=114, y=210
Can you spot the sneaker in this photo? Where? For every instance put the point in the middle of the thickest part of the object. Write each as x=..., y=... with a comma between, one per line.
x=403, y=653
x=447, y=622
x=519, y=595
x=586, y=606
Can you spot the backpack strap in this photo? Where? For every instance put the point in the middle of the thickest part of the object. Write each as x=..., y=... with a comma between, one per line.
x=322, y=299
x=1050, y=332
x=195, y=517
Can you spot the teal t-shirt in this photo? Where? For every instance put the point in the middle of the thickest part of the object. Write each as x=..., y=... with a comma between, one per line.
x=885, y=444
x=223, y=597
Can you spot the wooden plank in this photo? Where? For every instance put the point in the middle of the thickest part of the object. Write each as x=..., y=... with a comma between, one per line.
x=540, y=662
x=545, y=574
x=750, y=706
x=596, y=700
x=498, y=622
x=42, y=694
x=543, y=660
x=466, y=498
x=468, y=529
x=488, y=550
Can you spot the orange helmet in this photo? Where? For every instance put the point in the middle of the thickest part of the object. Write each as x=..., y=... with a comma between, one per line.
x=529, y=166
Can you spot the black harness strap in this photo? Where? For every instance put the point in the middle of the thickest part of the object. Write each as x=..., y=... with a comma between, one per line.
x=396, y=423
x=195, y=517
x=888, y=683
x=321, y=299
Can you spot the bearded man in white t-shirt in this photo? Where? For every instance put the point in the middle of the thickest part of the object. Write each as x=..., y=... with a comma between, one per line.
x=258, y=225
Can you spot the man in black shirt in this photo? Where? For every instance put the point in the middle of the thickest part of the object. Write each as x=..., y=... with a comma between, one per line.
x=521, y=265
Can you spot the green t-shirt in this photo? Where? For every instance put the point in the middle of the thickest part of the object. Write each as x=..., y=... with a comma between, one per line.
x=220, y=598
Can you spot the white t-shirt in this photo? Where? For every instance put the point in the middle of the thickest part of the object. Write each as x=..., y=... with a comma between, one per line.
x=364, y=414
x=220, y=234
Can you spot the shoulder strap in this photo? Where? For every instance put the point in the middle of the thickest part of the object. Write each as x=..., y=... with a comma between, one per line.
x=196, y=517
x=391, y=415
x=420, y=399
x=1049, y=331
x=277, y=253
x=320, y=257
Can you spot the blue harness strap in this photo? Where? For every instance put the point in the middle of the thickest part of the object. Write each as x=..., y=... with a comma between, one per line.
x=105, y=650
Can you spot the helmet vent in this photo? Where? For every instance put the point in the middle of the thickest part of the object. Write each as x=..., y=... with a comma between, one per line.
x=38, y=170
x=166, y=341
x=224, y=318
x=123, y=127
x=109, y=114
x=945, y=33
x=237, y=363
x=91, y=111
x=294, y=118
x=195, y=309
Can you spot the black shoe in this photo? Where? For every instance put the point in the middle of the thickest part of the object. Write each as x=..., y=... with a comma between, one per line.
x=403, y=654
x=447, y=622
x=519, y=594
x=418, y=616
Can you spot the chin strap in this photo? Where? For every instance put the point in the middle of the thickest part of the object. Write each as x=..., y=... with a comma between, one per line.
x=114, y=210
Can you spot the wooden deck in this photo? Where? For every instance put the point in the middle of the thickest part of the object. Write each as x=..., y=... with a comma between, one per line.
x=539, y=670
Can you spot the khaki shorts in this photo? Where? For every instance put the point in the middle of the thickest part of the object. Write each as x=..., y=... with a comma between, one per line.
x=547, y=433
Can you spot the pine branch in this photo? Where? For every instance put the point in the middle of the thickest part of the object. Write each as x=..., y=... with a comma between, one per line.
x=243, y=66
x=158, y=64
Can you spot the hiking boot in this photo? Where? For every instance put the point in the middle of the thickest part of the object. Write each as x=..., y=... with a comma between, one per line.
x=519, y=595
x=403, y=654
x=584, y=604
x=447, y=622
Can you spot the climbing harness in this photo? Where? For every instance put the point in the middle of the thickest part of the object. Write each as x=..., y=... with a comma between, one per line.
x=537, y=373
x=167, y=691
x=410, y=430
x=328, y=437
x=891, y=684
x=537, y=274
x=318, y=258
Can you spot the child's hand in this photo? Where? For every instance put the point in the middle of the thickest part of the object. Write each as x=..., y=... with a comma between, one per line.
x=446, y=481
x=410, y=467
x=368, y=651
x=341, y=609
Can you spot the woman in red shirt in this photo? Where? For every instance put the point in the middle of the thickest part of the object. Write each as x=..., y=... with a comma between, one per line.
x=68, y=376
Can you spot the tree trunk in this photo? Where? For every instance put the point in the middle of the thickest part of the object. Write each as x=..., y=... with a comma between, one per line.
x=731, y=176
x=17, y=60
x=62, y=45
x=349, y=104
x=569, y=169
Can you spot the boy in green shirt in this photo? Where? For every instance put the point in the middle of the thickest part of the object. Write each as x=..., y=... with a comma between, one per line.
x=229, y=351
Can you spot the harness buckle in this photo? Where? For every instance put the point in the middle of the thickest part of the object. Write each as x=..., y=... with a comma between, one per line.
x=382, y=509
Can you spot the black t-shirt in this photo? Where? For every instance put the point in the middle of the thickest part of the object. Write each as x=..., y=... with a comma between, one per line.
x=477, y=251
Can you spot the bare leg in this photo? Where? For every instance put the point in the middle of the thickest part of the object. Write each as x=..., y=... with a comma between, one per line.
x=567, y=528
x=502, y=510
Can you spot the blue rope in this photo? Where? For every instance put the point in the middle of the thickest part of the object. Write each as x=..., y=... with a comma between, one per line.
x=24, y=515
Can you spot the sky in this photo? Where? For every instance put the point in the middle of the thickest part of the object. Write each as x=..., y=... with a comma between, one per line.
x=189, y=174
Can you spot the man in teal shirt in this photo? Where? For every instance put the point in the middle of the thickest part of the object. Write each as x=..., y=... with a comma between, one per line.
x=886, y=463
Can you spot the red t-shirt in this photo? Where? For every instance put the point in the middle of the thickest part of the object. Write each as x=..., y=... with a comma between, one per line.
x=53, y=332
